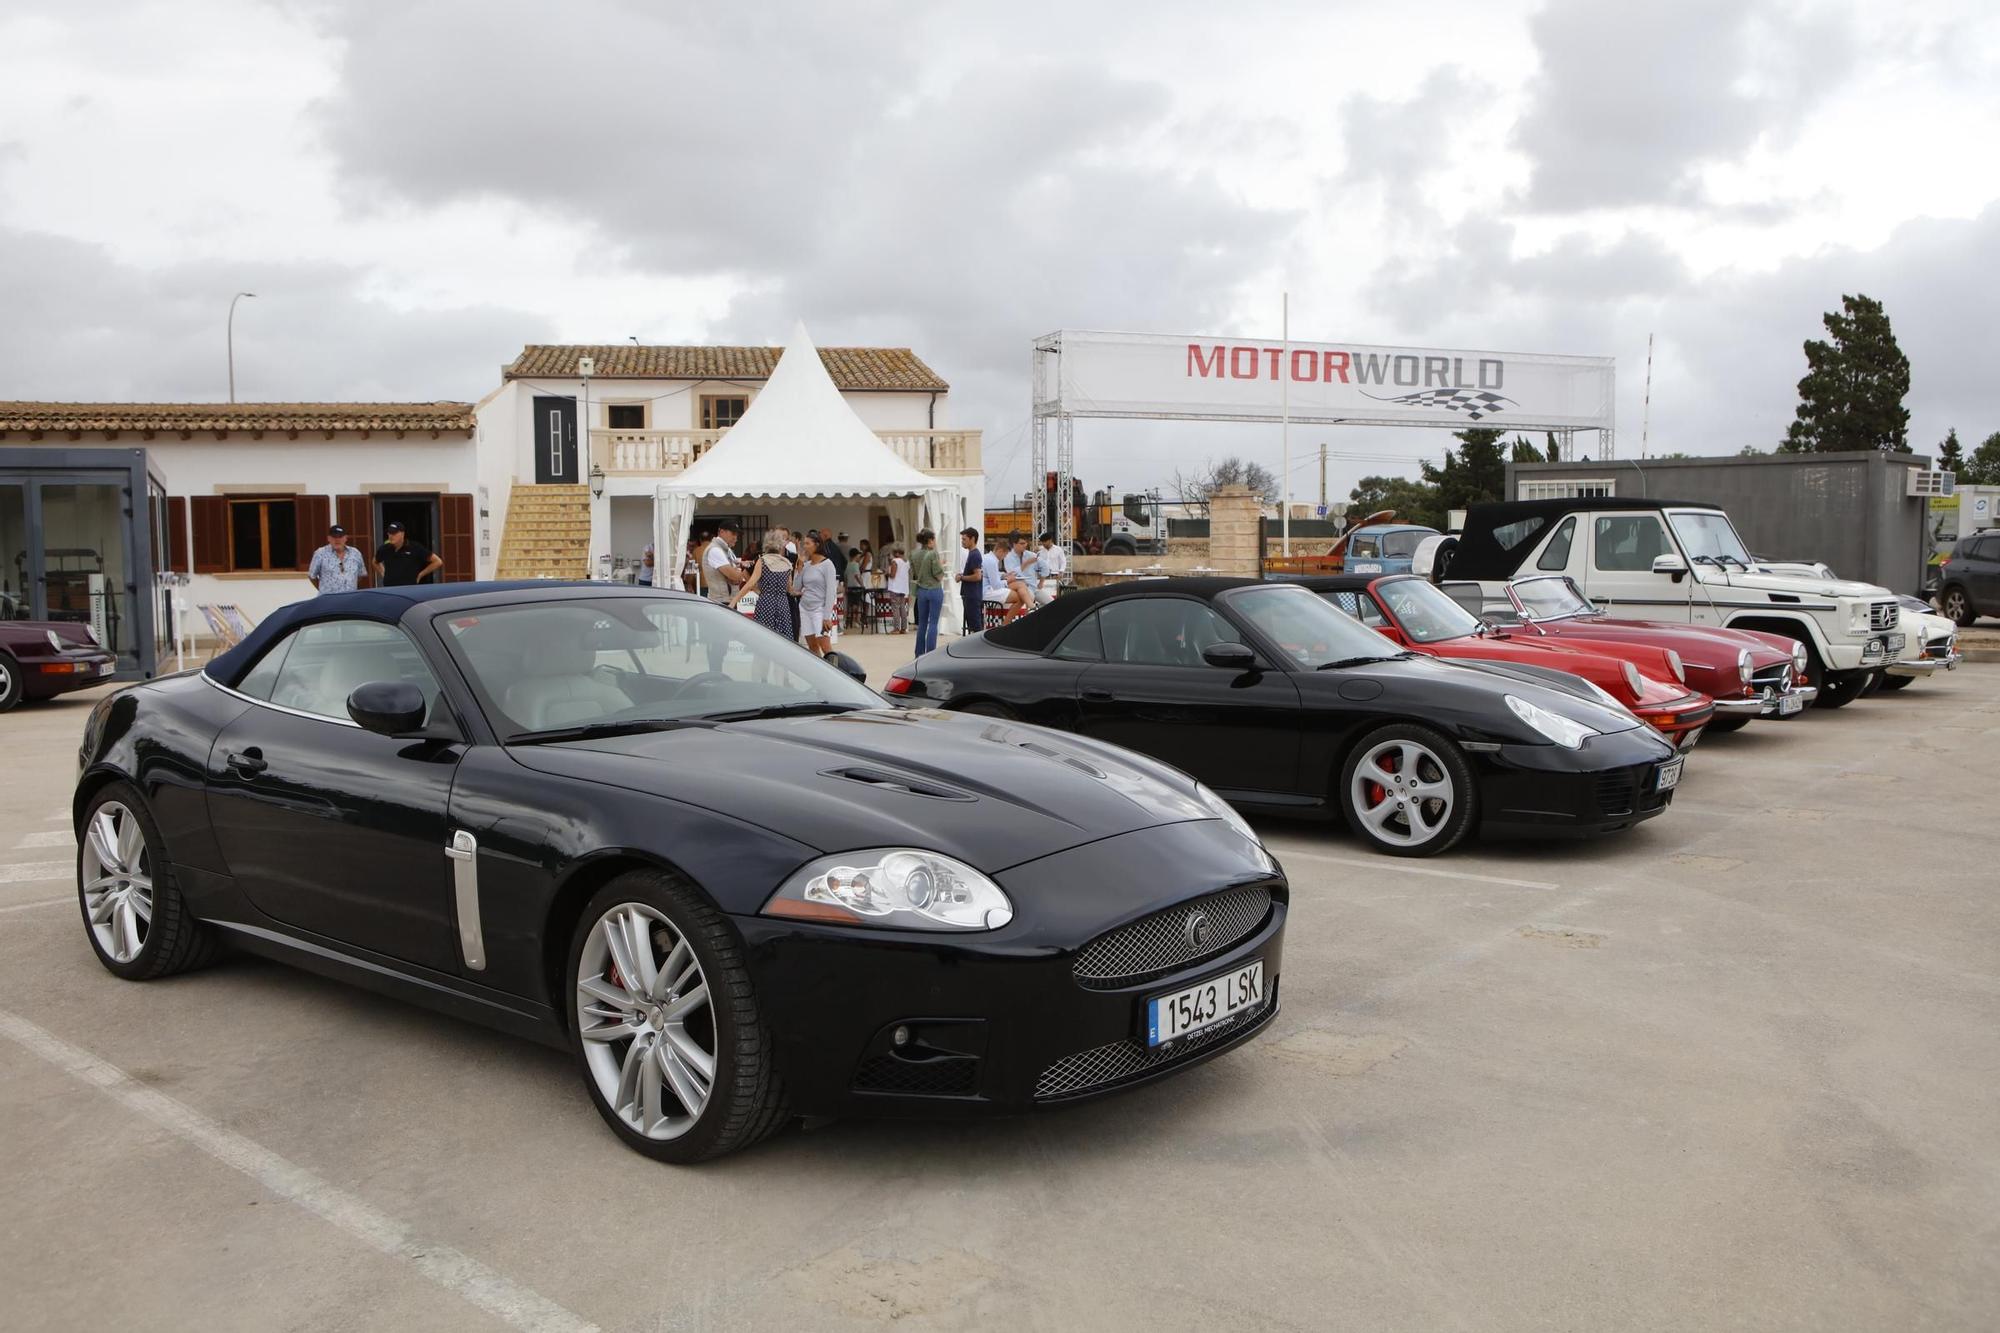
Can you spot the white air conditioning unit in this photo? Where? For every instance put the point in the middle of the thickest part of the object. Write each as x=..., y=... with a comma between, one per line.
x=1924, y=482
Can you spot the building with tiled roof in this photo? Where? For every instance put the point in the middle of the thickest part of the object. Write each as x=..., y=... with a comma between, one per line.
x=853, y=369
x=248, y=420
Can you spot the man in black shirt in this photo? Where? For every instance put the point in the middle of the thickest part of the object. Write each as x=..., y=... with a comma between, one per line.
x=400, y=562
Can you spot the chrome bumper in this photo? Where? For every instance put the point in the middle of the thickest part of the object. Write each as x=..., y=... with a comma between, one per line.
x=1764, y=705
x=1926, y=666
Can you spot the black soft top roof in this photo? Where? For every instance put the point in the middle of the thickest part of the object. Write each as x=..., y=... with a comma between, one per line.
x=1037, y=631
x=1480, y=554
x=388, y=606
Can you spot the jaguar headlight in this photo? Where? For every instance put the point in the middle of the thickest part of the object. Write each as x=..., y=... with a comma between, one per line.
x=902, y=888
x=1743, y=665
x=1226, y=812
x=1566, y=732
x=1679, y=667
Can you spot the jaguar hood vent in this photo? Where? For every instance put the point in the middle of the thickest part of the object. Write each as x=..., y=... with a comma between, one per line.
x=875, y=777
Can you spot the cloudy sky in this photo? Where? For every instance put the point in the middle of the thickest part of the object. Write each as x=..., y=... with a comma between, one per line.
x=416, y=188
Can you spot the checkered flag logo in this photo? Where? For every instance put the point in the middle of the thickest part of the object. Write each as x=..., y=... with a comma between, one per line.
x=1475, y=403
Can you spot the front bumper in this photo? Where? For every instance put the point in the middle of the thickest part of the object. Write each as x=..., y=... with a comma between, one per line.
x=1928, y=664
x=1608, y=785
x=1000, y=1022
x=1768, y=703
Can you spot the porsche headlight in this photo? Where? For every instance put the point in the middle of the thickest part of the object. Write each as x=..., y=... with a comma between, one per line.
x=1632, y=679
x=903, y=888
x=1564, y=731
x=1680, y=667
x=1226, y=812
x=1743, y=667
x=55, y=640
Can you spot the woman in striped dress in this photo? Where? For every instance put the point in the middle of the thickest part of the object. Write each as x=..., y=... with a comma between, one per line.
x=771, y=579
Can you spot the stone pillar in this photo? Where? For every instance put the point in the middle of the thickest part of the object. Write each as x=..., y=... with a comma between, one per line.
x=1235, y=516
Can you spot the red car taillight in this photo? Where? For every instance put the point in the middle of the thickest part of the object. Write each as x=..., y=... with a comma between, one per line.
x=897, y=685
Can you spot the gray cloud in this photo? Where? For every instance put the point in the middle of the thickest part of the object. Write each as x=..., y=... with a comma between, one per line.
x=1632, y=100
x=82, y=326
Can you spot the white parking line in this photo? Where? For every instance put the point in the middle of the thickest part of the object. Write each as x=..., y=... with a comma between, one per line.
x=449, y=1268
x=56, y=838
x=1396, y=865
x=31, y=872
x=44, y=902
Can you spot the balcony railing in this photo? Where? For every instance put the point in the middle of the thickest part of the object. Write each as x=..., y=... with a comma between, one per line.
x=666, y=452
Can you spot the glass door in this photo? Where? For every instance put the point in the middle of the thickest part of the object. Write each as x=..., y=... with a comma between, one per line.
x=85, y=565
x=16, y=580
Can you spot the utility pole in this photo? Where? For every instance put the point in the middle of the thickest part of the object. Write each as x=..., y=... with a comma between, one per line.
x=1322, y=474
x=1646, y=418
x=231, y=331
x=1285, y=428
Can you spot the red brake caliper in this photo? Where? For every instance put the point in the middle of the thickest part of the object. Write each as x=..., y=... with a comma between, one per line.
x=1377, y=793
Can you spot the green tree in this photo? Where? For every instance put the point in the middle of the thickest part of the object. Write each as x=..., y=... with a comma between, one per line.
x=1950, y=457
x=1413, y=501
x=1525, y=452
x=1983, y=468
x=1555, y=450
x=1476, y=474
x=1749, y=451
x=1851, y=397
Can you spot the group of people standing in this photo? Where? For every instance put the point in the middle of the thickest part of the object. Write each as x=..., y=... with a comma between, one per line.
x=1009, y=576
x=799, y=579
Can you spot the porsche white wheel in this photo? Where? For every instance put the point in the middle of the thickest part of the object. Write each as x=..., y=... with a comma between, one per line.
x=1408, y=790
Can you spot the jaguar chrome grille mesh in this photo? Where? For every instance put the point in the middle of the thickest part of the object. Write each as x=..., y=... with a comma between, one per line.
x=1104, y=1066
x=1164, y=941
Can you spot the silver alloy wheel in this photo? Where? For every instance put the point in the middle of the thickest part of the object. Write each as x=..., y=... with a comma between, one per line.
x=648, y=1028
x=1415, y=793
x=6, y=679
x=1954, y=604
x=117, y=879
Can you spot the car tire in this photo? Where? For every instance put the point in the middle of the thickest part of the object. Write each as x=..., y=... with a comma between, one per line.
x=1722, y=726
x=659, y=1062
x=1436, y=761
x=134, y=916
x=1837, y=689
x=1897, y=682
x=1121, y=546
x=1954, y=601
x=11, y=684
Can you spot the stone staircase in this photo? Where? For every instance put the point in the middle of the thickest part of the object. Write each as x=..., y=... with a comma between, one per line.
x=548, y=533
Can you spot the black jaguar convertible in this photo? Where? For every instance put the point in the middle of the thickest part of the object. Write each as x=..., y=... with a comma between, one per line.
x=735, y=883
x=1283, y=704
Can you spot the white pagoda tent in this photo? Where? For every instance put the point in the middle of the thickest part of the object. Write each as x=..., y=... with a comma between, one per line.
x=800, y=448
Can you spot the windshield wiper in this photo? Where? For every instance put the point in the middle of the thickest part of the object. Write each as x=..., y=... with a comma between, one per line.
x=595, y=730
x=1357, y=661
x=781, y=710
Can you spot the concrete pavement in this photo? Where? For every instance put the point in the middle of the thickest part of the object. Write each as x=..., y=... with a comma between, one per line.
x=1734, y=1068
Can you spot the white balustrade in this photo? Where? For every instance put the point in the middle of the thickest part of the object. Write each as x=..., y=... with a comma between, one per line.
x=666, y=452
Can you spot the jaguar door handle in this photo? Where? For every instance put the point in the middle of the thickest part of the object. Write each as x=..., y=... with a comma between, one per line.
x=249, y=763
x=1098, y=696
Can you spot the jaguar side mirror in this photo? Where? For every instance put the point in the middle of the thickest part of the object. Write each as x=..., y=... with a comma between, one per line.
x=849, y=665
x=388, y=707
x=1230, y=656
x=1670, y=564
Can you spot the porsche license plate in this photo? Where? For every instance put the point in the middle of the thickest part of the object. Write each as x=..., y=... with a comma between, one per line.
x=1204, y=1004
x=106, y=668
x=1670, y=775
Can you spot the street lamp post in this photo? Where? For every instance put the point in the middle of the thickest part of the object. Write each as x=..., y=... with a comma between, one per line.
x=232, y=341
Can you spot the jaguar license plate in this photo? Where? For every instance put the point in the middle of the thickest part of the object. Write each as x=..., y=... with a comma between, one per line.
x=1789, y=704
x=1204, y=1004
x=1670, y=775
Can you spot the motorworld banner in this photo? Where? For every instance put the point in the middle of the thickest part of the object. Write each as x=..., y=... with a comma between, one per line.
x=1248, y=379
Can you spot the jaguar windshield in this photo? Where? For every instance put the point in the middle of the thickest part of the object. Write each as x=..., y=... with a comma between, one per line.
x=1709, y=539
x=1309, y=631
x=561, y=670
x=1554, y=597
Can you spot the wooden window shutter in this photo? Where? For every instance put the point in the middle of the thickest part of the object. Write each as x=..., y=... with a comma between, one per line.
x=211, y=533
x=356, y=513
x=314, y=515
x=177, y=534
x=455, y=546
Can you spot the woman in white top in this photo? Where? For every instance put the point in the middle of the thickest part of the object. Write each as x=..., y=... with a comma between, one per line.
x=898, y=587
x=819, y=591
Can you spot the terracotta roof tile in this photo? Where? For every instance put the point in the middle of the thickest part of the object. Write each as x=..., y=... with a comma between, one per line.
x=440, y=416
x=850, y=367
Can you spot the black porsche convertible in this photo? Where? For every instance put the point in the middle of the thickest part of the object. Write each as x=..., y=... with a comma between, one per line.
x=1283, y=704
x=738, y=885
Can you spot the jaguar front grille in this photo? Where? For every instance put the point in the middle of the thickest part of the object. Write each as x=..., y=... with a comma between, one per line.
x=1172, y=938
x=1123, y=1061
